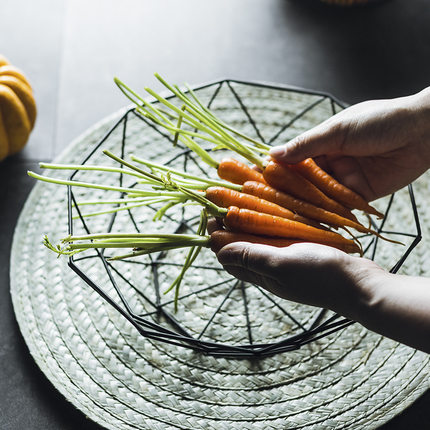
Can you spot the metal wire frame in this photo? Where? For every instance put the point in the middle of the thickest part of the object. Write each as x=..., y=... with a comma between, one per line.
x=175, y=333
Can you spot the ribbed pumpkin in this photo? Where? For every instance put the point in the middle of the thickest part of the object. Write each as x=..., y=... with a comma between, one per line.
x=17, y=109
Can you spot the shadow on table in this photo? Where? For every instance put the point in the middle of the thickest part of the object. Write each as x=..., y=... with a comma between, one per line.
x=371, y=51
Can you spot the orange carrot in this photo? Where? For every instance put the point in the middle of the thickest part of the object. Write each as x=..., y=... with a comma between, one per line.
x=225, y=197
x=238, y=172
x=313, y=212
x=332, y=188
x=282, y=177
x=221, y=238
x=306, y=209
x=259, y=223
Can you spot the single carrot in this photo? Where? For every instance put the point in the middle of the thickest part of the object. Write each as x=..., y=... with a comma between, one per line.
x=282, y=177
x=332, y=188
x=225, y=197
x=259, y=223
x=221, y=238
x=236, y=171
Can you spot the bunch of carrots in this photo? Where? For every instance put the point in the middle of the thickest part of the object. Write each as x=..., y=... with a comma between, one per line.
x=259, y=201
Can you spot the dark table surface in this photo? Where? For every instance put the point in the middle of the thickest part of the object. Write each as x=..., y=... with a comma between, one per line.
x=71, y=49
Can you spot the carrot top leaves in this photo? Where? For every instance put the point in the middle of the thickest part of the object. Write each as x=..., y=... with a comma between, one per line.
x=198, y=182
x=195, y=115
x=191, y=256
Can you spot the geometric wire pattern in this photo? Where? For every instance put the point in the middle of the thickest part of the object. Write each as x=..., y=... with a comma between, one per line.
x=212, y=302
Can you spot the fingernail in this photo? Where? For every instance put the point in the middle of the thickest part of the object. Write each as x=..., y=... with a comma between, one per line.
x=277, y=151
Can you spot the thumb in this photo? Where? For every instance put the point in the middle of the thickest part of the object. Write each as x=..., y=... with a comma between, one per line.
x=323, y=139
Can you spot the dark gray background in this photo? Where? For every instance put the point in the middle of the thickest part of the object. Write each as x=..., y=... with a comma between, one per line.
x=71, y=49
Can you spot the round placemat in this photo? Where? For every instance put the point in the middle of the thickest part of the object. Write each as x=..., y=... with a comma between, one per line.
x=353, y=378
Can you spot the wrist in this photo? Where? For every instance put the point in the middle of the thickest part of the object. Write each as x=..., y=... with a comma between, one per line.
x=419, y=106
x=363, y=295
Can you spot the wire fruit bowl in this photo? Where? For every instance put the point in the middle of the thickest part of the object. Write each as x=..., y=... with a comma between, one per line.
x=218, y=314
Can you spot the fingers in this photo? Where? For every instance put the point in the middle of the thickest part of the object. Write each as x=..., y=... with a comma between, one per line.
x=301, y=260
x=214, y=224
x=307, y=273
x=326, y=138
x=260, y=259
x=290, y=273
x=245, y=275
x=349, y=171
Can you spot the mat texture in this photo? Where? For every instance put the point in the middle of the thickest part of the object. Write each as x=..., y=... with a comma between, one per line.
x=122, y=380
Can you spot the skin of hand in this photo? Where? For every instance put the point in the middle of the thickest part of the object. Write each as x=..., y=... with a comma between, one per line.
x=307, y=273
x=357, y=288
x=375, y=147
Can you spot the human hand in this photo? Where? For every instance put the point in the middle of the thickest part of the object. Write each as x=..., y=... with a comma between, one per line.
x=307, y=273
x=375, y=147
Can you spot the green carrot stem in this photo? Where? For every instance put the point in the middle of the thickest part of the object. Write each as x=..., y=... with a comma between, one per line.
x=87, y=167
x=149, y=241
x=131, y=206
x=161, y=212
x=163, y=182
x=197, y=100
x=128, y=92
x=142, y=105
x=118, y=201
x=138, y=244
x=132, y=254
x=256, y=143
x=261, y=150
x=108, y=202
x=83, y=184
x=195, y=196
x=199, y=180
x=140, y=236
x=227, y=140
x=213, y=127
x=188, y=142
x=145, y=174
x=188, y=184
x=132, y=191
x=178, y=125
x=197, y=119
x=176, y=131
x=147, y=251
x=212, y=208
x=143, y=108
x=108, y=211
x=191, y=256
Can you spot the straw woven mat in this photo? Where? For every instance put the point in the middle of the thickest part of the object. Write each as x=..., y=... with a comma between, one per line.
x=121, y=380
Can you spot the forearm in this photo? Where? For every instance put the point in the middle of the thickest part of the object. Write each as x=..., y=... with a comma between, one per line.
x=396, y=306
x=420, y=103
x=393, y=305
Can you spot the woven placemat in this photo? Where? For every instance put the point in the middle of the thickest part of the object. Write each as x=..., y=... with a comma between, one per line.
x=121, y=380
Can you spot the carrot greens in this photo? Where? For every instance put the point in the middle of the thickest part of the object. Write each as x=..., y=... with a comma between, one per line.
x=209, y=128
x=250, y=209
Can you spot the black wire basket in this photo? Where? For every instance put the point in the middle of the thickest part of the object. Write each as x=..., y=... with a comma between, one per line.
x=217, y=314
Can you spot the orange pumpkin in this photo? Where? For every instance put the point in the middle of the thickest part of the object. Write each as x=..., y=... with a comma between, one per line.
x=17, y=109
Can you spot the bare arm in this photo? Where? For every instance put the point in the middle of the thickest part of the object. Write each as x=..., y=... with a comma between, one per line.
x=375, y=148
x=392, y=305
